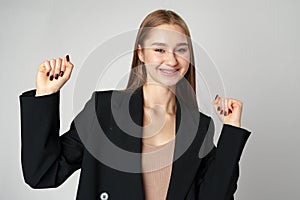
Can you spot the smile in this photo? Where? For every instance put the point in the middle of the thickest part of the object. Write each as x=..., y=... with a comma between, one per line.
x=169, y=72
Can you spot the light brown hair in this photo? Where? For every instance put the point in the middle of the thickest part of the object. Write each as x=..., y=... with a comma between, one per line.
x=138, y=74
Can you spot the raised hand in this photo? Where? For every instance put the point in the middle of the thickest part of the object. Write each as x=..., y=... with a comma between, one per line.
x=52, y=75
x=228, y=110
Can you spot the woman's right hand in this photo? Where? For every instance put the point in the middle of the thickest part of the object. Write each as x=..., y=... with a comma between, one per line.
x=52, y=75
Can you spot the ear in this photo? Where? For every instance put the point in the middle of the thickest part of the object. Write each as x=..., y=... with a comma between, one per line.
x=140, y=53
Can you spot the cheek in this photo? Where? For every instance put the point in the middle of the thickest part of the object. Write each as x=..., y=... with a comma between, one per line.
x=184, y=62
x=183, y=58
x=152, y=58
x=186, y=68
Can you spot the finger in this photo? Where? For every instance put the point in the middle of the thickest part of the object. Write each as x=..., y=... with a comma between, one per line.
x=216, y=103
x=43, y=68
x=216, y=100
x=222, y=105
x=237, y=105
x=223, y=110
x=226, y=107
x=63, y=67
x=220, y=108
x=58, y=63
x=68, y=66
x=48, y=67
x=233, y=103
x=230, y=105
x=52, y=64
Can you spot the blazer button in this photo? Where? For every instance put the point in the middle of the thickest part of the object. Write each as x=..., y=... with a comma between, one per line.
x=104, y=196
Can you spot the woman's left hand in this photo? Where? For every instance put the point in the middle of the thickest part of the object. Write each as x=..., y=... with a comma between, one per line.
x=228, y=110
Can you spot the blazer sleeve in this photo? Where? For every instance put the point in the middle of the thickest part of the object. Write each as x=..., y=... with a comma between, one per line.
x=47, y=158
x=220, y=167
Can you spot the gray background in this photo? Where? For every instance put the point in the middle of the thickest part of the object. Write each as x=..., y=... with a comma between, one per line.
x=253, y=43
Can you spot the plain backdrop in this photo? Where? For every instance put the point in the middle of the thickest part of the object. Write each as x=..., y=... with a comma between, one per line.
x=254, y=44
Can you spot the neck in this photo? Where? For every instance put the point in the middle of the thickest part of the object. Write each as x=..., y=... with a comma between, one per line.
x=158, y=95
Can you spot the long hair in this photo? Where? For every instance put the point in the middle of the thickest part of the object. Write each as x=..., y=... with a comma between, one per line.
x=186, y=87
x=138, y=74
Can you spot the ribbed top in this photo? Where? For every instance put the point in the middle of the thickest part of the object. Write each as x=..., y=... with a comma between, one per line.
x=156, y=168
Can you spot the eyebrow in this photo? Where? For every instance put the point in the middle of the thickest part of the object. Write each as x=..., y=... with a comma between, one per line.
x=163, y=44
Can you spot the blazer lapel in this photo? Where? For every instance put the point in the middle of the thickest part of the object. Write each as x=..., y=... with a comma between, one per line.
x=129, y=106
x=187, y=145
x=126, y=132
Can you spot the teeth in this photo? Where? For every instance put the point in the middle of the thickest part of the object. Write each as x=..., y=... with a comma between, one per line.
x=169, y=71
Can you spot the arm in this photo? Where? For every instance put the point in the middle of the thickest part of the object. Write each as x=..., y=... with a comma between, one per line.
x=220, y=168
x=47, y=158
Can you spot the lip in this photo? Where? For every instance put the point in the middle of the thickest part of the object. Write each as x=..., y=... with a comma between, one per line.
x=168, y=72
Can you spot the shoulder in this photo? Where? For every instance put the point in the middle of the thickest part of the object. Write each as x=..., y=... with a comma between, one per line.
x=204, y=116
x=105, y=98
x=107, y=94
x=205, y=120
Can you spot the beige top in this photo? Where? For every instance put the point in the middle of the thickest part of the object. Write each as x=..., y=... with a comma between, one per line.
x=156, y=168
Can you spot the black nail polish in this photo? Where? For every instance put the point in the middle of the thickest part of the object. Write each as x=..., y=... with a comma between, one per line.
x=48, y=73
x=51, y=77
x=68, y=58
x=225, y=113
x=61, y=73
x=219, y=108
x=216, y=96
x=221, y=112
x=56, y=76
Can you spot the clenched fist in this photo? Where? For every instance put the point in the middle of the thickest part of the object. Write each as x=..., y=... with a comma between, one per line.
x=52, y=75
x=228, y=110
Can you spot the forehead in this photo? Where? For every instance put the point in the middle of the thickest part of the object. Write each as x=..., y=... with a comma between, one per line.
x=168, y=34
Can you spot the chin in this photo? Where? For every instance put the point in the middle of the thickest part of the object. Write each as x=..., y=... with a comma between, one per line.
x=169, y=83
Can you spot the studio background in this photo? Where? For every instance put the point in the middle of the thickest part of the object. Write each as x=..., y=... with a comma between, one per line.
x=255, y=45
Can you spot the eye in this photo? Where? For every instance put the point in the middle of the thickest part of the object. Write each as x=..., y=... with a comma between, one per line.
x=181, y=50
x=160, y=50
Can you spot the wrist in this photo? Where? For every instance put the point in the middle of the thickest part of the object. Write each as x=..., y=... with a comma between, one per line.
x=236, y=124
x=43, y=93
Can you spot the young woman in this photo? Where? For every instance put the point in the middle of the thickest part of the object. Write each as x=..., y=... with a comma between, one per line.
x=174, y=155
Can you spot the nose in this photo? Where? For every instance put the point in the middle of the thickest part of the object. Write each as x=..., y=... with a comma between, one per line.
x=170, y=59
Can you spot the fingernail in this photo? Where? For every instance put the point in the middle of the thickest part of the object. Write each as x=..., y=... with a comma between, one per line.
x=219, y=108
x=51, y=77
x=48, y=73
x=225, y=113
x=216, y=96
x=68, y=58
x=221, y=112
x=56, y=76
x=61, y=73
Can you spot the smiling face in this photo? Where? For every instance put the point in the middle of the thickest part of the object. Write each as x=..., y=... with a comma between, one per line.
x=166, y=55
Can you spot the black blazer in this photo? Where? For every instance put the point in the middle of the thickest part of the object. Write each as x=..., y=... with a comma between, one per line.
x=199, y=171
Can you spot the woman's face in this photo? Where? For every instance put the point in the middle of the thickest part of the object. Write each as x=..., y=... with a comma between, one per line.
x=166, y=55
